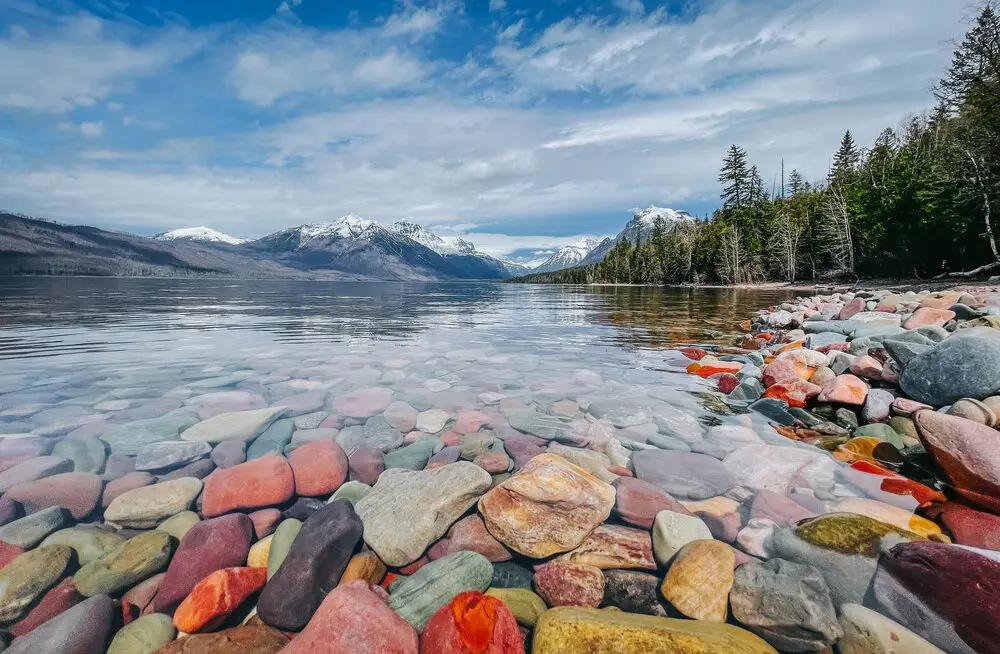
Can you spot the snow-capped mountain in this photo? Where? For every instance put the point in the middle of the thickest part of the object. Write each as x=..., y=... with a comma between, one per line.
x=203, y=234
x=568, y=255
x=460, y=253
x=440, y=244
x=640, y=228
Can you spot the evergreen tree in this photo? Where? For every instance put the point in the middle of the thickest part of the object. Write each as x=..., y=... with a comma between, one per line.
x=734, y=177
x=846, y=160
x=796, y=183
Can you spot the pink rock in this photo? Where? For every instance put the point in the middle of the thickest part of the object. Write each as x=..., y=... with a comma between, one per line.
x=355, y=618
x=78, y=492
x=867, y=367
x=264, y=522
x=857, y=305
x=492, y=462
x=845, y=389
x=468, y=422
x=905, y=407
x=561, y=583
x=138, y=600
x=523, y=448
x=782, y=370
x=410, y=568
x=9, y=510
x=363, y=403
x=724, y=527
x=439, y=549
x=967, y=452
x=32, y=469
x=267, y=481
x=58, y=598
x=444, y=456
x=366, y=464
x=613, y=547
x=124, y=483
x=9, y=552
x=16, y=450
x=728, y=382
x=637, y=502
x=320, y=467
x=929, y=316
x=780, y=509
x=470, y=534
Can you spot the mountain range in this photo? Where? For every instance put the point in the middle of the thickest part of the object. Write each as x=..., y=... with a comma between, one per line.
x=349, y=248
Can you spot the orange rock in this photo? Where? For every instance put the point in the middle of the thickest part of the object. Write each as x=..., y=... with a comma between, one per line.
x=845, y=389
x=365, y=566
x=713, y=367
x=320, y=467
x=266, y=481
x=693, y=353
x=472, y=623
x=797, y=393
x=794, y=345
x=216, y=596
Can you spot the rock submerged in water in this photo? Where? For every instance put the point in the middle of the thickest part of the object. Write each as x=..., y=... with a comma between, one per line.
x=263, y=482
x=963, y=365
x=417, y=597
x=686, y=475
x=146, y=506
x=967, y=453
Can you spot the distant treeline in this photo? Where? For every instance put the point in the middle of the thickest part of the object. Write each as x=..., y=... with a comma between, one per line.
x=919, y=202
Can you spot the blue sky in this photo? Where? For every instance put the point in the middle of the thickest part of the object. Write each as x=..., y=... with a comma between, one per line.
x=525, y=125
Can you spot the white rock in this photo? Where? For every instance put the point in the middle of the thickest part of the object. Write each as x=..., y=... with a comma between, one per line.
x=241, y=425
x=432, y=421
x=868, y=632
x=672, y=531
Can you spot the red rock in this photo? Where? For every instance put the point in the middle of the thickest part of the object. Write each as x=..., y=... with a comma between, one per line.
x=929, y=316
x=470, y=534
x=621, y=471
x=58, y=598
x=266, y=481
x=216, y=596
x=264, y=522
x=845, y=389
x=637, y=502
x=834, y=347
x=138, y=600
x=208, y=546
x=9, y=552
x=250, y=638
x=971, y=527
x=856, y=305
x=78, y=492
x=728, y=382
x=561, y=583
x=967, y=452
x=127, y=482
x=523, y=448
x=867, y=367
x=320, y=467
x=410, y=568
x=693, y=353
x=366, y=464
x=355, y=618
x=612, y=547
x=438, y=549
x=906, y=407
x=493, y=462
x=897, y=484
x=472, y=623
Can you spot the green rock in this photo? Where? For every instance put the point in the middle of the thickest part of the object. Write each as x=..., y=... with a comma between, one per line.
x=413, y=456
x=28, y=576
x=352, y=491
x=272, y=440
x=87, y=454
x=473, y=445
x=131, y=437
x=136, y=559
x=904, y=427
x=526, y=606
x=143, y=636
x=147, y=506
x=881, y=432
x=179, y=524
x=31, y=529
x=89, y=543
x=849, y=533
x=284, y=535
x=417, y=597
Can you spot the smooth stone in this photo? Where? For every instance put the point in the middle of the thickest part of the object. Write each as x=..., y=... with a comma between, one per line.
x=179, y=525
x=973, y=410
x=138, y=600
x=775, y=410
x=525, y=605
x=199, y=469
x=236, y=425
x=778, y=508
x=364, y=566
x=319, y=468
x=208, y=546
x=147, y=506
x=247, y=639
x=596, y=463
x=351, y=491
x=78, y=492
x=614, y=547
x=699, y=579
x=314, y=564
x=637, y=502
x=264, y=521
x=28, y=577
x=259, y=483
x=82, y=629
x=963, y=365
x=787, y=604
x=126, y=482
x=576, y=629
x=868, y=632
x=259, y=552
x=672, y=531
x=685, y=475
x=30, y=530
x=407, y=510
x=432, y=421
x=32, y=469
x=472, y=618
x=508, y=574
x=363, y=403
x=229, y=453
x=303, y=507
x=130, y=438
x=417, y=597
x=170, y=454
x=366, y=464
x=401, y=416
x=145, y=635
x=882, y=432
x=271, y=441
x=470, y=535
x=281, y=544
x=216, y=596
x=87, y=454
x=967, y=453
x=134, y=560
x=355, y=618
x=564, y=583
x=971, y=527
x=547, y=507
x=414, y=456
x=633, y=592
x=877, y=405
x=89, y=543
x=59, y=598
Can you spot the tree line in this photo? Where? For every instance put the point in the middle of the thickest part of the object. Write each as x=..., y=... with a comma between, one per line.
x=920, y=201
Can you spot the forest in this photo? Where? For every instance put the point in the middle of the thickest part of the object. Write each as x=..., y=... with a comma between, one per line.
x=919, y=202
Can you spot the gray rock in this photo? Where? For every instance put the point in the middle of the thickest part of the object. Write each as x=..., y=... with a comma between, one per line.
x=407, y=510
x=633, y=592
x=235, y=425
x=82, y=629
x=147, y=506
x=846, y=575
x=904, y=351
x=130, y=438
x=774, y=409
x=683, y=474
x=30, y=530
x=748, y=390
x=229, y=453
x=787, y=604
x=88, y=454
x=508, y=574
x=381, y=435
x=272, y=441
x=963, y=365
x=170, y=454
x=877, y=405
x=417, y=597
x=414, y=456
x=814, y=341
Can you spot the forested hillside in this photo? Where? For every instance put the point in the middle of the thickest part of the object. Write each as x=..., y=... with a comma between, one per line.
x=920, y=201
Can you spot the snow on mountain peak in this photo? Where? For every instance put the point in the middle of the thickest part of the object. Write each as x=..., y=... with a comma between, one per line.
x=349, y=226
x=204, y=234
x=649, y=215
x=440, y=244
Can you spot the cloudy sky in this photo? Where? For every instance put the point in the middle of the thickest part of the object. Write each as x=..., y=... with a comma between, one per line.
x=522, y=124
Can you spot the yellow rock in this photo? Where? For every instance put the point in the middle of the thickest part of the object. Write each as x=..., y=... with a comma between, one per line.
x=599, y=631
x=257, y=558
x=700, y=578
x=363, y=565
x=717, y=506
x=889, y=514
x=524, y=604
x=548, y=507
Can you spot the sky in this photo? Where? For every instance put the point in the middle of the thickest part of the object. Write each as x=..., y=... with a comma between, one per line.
x=523, y=125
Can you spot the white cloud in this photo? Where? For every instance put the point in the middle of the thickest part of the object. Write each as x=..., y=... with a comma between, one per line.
x=498, y=5
x=630, y=6
x=92, y=130
x=288, y=5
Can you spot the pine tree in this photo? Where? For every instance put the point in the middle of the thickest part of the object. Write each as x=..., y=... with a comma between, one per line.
x=796, y=183
x=974, y=64
x=734, y=177
x=846, y=160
